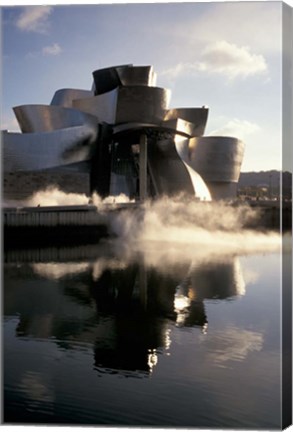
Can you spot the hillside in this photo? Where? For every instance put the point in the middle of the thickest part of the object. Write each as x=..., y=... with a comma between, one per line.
x=270, y=179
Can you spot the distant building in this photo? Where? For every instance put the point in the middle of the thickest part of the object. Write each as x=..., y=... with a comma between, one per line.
x=119, y=137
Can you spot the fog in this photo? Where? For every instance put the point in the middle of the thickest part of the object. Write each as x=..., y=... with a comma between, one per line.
x=171, y=230
x=175, y=230
x=52, y=196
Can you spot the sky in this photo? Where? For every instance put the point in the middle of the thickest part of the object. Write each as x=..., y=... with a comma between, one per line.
x=227, y=56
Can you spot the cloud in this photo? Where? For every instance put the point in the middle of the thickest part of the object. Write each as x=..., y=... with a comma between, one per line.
x=34, y=19
x=236, y=128
x=222, y=58
x=179, y=69
x=256, y=24
x=53, y=49
x=231, y=60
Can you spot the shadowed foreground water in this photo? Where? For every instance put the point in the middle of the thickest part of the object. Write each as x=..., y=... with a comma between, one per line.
x=90, y=338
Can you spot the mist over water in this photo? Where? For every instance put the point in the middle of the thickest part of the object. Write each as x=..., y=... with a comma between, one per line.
x=175, y=230
x=52, y=196
x=169, y=304
x=170, y=230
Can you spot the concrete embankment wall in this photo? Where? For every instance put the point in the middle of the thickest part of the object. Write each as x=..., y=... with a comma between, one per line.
x=58, y=225
x=72, y=225
x=53, y=216
x=53, y=225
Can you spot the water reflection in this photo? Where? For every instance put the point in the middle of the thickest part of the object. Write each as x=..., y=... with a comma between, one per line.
x=122, y=309
x=233, y=344
x=37, y=390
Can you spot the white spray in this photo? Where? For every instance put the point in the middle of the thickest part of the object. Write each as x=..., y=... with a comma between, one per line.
x=173, y=229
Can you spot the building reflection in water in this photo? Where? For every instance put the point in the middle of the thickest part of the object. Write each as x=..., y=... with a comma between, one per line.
x=123, y=310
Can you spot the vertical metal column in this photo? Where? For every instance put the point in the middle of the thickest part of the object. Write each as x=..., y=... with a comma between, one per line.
x=143, y=167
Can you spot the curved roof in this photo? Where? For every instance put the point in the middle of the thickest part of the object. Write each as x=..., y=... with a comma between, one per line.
x=64, y=97
x=137, y=75
x=45, y=118
x=108, y=79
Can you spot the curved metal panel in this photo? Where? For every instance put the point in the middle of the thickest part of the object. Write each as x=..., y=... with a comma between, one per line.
x=102, y=106
x=45, y=118
x=169, y=173
x=64, y=97
x=200, y=187
x=134, y=129
x=137, y=76
x=44, y=150
x=108, y=79
x=216, y=159
x=222, y=190
x=197, y=116
x=142, y=104
x=178, y=126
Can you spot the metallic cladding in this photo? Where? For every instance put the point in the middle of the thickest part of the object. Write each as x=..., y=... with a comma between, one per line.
x=170, y=174
x=197, y=116
x=64, y=97
x=142, y=104
x=46, y=118
x=42, y=150
x=222, y=190
x=217, y=159
x=102, y=106
x=83, y=125
x=174, y=126
x=108, y=79
x=137, y=76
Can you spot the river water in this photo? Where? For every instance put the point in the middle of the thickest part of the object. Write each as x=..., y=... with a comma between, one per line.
x=93, y=336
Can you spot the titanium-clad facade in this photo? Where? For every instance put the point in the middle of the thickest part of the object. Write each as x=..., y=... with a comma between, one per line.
x=142, y=104
x=108, y=79
x=170, y=174
x=48, y=118
x=128, y=139
x=42, y=150
x=102, y=106
x=196, y=116
x=65, y=97
x=137, y=76
x=218, y=160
